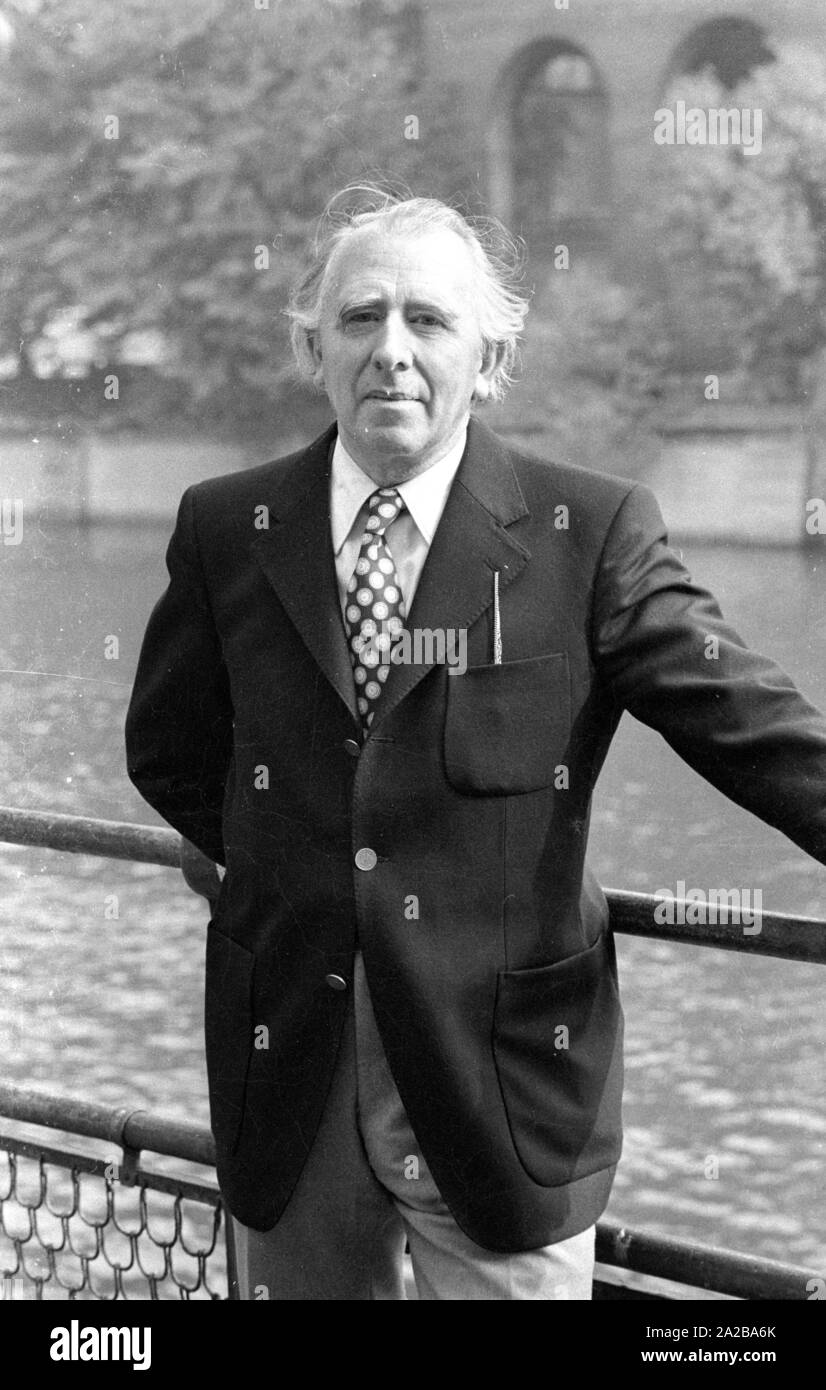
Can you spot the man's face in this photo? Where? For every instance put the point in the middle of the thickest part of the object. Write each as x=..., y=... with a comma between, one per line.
x=400, y=347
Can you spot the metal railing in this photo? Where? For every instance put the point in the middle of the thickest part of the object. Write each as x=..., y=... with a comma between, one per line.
x=124, y=1241
x=75, y=1225
x=780, y=934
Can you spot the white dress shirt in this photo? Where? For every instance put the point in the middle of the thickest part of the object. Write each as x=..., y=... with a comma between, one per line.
x=409, y=537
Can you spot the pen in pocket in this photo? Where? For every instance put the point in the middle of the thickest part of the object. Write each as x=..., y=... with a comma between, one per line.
x=497, y=626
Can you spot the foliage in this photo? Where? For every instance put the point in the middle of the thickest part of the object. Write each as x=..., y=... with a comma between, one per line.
x=740, y=237
x=590, y=374
x=235, y=124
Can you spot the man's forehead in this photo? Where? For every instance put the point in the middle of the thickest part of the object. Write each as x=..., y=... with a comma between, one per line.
x=374, y=262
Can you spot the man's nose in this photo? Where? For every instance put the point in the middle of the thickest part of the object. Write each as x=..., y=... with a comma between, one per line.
x=392, y=350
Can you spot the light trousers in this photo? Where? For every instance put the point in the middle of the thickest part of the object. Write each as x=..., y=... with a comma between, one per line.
x=366, y=1188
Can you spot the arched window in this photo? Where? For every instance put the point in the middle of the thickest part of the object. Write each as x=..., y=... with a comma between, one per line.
x=558, y=147
x=731, y=47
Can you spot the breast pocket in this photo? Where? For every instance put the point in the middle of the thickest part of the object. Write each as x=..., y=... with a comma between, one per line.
x=507, y=727
x=228, y=1032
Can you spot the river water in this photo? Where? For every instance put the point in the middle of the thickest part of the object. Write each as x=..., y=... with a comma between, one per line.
x=725, y=1123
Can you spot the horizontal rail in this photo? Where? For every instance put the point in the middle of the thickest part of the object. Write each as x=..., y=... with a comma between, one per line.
x=778, y=934
x=678, y=1261
x=132, y=1176
x=769, y=933
x=130, y=1129
x=112, y=839
x=703, y=1266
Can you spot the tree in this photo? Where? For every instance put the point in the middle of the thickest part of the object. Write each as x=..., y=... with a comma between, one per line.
x=591, y=375
x=163, y=167
x=741, y=237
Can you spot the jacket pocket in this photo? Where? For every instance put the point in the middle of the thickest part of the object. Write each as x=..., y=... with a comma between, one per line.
x=228, y=1032
x=557, y=1043
x=507, y=726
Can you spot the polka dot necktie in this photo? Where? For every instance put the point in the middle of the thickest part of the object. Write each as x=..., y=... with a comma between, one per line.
x=375, y=608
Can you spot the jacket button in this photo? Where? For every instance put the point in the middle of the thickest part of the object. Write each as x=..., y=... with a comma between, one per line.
x=351, y=747
x=335, y=981
x=366, y=859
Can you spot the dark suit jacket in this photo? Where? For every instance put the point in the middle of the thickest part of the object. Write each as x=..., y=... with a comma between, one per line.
x=483, y=933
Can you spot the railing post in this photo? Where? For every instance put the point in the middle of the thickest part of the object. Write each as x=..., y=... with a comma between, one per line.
x=233, y=1291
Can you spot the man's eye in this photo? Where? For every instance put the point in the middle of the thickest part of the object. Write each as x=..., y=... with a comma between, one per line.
x=362, y=316
x=428, y=320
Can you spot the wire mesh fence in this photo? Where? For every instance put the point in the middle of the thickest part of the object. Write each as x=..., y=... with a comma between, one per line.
x=79, y=1227
x=84, y=1226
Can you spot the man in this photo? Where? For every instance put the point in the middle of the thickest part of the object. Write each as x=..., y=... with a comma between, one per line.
x=406, y=922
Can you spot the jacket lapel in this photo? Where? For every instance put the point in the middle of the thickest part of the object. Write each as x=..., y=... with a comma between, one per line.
x=470, y=544
x=296, y=554
x=456, y=584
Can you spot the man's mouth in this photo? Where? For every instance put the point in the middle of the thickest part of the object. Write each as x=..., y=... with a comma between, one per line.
x=390, y=396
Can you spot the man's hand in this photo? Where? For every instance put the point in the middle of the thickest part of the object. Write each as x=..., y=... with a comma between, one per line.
x=201, y=873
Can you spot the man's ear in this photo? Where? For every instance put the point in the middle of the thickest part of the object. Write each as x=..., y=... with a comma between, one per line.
x=314, y=354
x=492, y=354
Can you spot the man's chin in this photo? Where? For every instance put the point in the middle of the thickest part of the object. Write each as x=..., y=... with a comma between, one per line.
x=388, y=450
x=391, y=435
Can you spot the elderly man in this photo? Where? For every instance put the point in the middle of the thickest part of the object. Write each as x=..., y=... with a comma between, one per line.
x=412, y=1021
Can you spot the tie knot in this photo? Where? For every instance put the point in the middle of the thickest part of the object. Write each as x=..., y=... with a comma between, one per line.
x=383, y=508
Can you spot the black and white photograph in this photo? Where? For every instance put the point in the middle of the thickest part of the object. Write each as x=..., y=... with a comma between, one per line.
x=413, y=662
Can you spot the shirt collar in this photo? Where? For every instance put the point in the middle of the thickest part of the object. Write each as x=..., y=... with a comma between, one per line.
x=424, y=496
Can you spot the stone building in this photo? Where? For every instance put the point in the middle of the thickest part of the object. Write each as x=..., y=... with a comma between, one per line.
x=560, y=98
x=562, y=94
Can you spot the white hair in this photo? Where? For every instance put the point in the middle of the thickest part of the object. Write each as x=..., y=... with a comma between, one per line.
x=498, y=257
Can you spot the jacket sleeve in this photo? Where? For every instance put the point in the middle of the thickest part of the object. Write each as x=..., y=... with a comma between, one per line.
x=179, y=720
x=670, y=658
